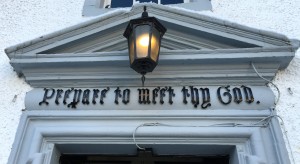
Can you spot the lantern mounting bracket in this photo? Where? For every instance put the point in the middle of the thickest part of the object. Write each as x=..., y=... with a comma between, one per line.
x=145, y=13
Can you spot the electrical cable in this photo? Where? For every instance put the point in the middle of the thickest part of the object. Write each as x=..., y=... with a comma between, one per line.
x=256, y=124
x=261, y=123
x=286, y=137
x=258, y=74
x=134, y=133
x=276, y=102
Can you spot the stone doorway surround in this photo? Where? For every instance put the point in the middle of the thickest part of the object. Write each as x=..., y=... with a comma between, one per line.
x=245, y=135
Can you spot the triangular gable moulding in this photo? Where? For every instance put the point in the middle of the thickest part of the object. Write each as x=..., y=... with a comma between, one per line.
x=182, y=22
x=193, y=41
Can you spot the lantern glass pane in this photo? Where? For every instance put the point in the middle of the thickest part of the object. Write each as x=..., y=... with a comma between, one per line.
x=131, y=48
x=142, y=40
x=155, y=44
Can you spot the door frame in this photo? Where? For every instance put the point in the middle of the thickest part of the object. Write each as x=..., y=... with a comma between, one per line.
x=43, y=135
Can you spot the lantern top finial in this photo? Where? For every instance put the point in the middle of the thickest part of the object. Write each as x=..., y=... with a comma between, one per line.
x=145, y=13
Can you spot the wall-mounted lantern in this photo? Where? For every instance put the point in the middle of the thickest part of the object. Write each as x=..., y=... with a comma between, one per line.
x=144, y=37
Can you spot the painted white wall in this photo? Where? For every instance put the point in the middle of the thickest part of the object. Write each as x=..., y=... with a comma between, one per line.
x=25, y=20
x=21, y=21
x=281, y=16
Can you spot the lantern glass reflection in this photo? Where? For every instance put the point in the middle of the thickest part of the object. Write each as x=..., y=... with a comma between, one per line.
x=131, y=48
x=155, y=45
x=142, y=40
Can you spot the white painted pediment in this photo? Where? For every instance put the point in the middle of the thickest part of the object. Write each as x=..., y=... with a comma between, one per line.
x=186, y=30
x=196, y=50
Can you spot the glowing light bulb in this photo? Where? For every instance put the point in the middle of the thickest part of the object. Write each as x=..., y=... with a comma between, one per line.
x=144, y=40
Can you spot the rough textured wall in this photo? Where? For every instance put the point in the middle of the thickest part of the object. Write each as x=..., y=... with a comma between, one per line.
x=24, y=20
x=281, y=16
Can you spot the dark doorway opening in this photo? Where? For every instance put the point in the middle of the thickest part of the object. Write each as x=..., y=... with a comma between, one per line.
x=143, y=157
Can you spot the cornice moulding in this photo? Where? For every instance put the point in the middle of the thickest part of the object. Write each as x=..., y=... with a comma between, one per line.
x=175, y=68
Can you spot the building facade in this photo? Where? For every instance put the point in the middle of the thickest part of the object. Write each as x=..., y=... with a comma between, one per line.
x=223, y=128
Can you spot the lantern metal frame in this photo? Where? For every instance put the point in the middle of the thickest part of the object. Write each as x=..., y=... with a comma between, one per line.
x=147, y=62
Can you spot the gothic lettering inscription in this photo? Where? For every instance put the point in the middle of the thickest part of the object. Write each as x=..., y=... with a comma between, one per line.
x=198, y=97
